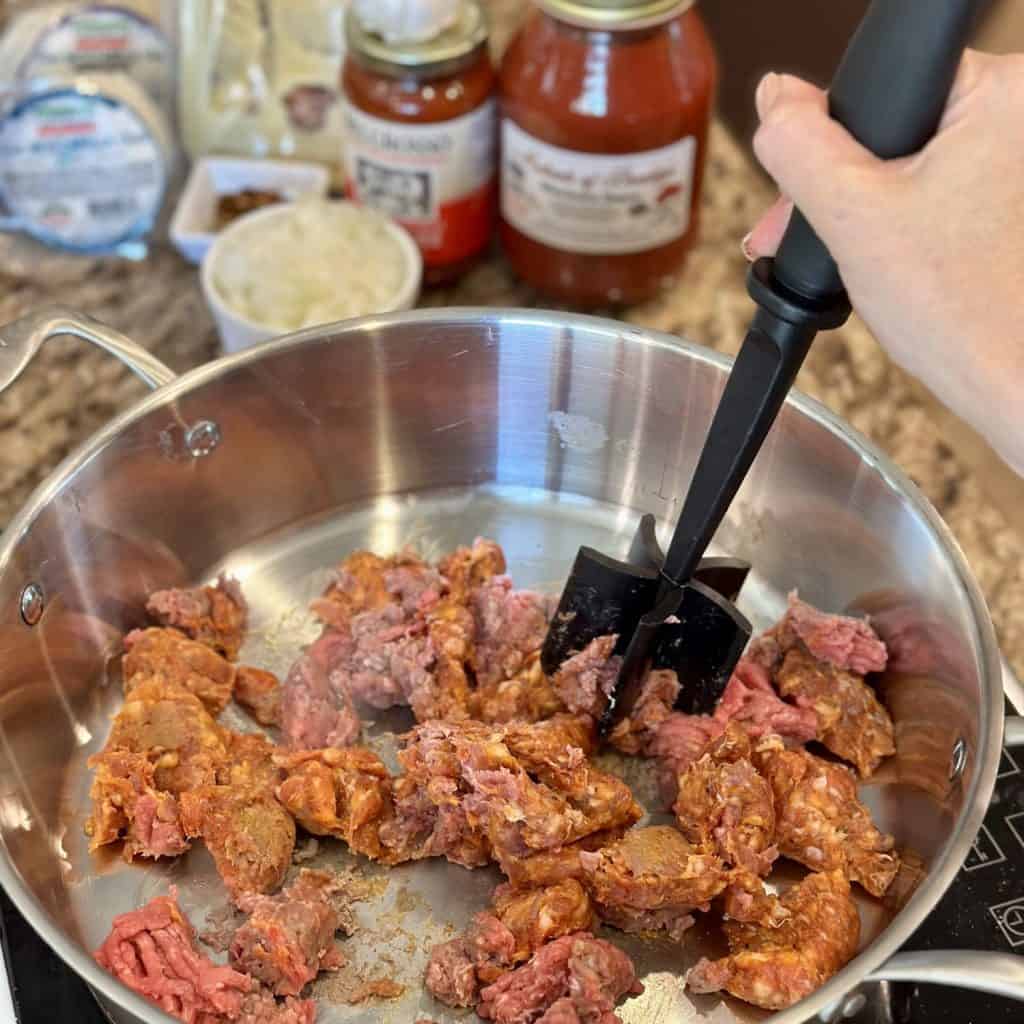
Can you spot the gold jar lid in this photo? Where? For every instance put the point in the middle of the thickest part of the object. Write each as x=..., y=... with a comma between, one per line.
x=463, y=38
x=615, y=14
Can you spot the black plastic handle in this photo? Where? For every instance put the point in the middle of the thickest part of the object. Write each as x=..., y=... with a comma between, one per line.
x=889, y=92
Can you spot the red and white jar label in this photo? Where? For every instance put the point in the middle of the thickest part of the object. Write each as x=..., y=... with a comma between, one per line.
x=592, y=203
x=437, y=180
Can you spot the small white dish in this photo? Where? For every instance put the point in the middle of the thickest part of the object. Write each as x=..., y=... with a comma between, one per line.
x=255, y=232
x=193, y=227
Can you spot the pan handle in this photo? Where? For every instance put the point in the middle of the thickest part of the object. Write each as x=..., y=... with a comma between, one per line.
x=21, y=339
x=1013, y=731
x=1002, y=974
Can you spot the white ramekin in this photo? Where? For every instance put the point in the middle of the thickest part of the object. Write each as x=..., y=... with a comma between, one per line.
x=238, y=332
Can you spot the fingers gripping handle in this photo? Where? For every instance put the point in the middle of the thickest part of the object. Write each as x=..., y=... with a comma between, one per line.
x=889, y=92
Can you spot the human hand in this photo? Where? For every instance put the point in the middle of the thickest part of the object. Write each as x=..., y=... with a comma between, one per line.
x=930, y=247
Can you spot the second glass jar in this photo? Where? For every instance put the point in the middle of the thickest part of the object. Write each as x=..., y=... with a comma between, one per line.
x=421, y=138
x=606, y=106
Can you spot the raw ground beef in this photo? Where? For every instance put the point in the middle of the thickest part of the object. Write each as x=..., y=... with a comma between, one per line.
x=455, y=968
x=152, y=950
x=289, y=938
x=584, y=681
x=576, y=979
x=844, y=642
x=510, y=626
x=315, y=710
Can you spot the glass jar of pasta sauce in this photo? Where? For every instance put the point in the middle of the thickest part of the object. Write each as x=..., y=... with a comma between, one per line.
x=420, y=137
x=605, y=112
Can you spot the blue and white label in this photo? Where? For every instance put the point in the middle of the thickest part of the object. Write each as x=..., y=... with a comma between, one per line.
x=80, y=170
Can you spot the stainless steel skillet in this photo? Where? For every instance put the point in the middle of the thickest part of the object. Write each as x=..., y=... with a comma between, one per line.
x=540, y=429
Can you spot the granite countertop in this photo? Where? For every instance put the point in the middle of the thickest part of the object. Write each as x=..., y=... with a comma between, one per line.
x=71, y=389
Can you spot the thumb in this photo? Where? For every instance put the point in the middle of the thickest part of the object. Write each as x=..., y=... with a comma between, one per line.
x=814, y=160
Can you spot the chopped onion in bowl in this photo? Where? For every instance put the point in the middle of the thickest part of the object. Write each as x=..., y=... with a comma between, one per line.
x=311, y=262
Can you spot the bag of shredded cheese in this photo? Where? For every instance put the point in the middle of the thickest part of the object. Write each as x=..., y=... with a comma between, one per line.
x=262, y=78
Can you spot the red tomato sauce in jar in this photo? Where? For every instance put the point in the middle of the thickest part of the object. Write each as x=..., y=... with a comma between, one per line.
x=421, y=138
x=606, y=106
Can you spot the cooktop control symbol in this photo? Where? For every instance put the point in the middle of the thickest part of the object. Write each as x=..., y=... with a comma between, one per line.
x=985, y=851
x=1010, y=918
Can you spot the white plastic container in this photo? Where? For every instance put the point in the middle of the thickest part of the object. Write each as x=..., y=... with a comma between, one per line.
x=85, y=164
x=194, y=226
x=276, y=251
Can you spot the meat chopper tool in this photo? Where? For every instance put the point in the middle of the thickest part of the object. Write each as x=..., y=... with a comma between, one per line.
x=675, y=609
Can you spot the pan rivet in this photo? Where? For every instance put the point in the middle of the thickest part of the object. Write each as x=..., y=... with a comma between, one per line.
x=853, y=1006
x=202, y=438
x=32, y=604
x=958, y=760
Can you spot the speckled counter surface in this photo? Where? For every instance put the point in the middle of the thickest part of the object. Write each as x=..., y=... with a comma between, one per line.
x=71, y=390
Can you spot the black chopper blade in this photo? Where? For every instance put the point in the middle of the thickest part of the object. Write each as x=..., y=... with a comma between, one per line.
x=603, y=596
x=695, y=632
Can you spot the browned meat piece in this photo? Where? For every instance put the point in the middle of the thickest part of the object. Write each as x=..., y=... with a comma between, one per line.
x=584, y=681
x=248, y=833
x=317, y=710
x=845, y=643
x=215, y=616
x=748, y=699
x=520, y=815
x=152, y=950
x=550, y=867
x=127, y=805
x=510, y=627
x=259, y=692
x=488, y=801
x=775, y=967
x=651, y=879
x=851, y=721
x=450, y=632
x=634, y=735
x=724, y=804
x=173, y=729
x=527, y=697
x=289, y=938
x=536, y=916
x=535, y=743
x=523, y=920
x=576, y=979
x=250, y=762
x=747, y=900
x=172, y=656
x=457, y=969
x=343, y=793
x=819, y=820
x=361, y=586
x=430, y=819
x=465, y=569
x=517, y=814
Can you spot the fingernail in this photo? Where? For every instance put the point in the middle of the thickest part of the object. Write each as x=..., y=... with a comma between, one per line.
x=767, y=94
x=748, y=253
